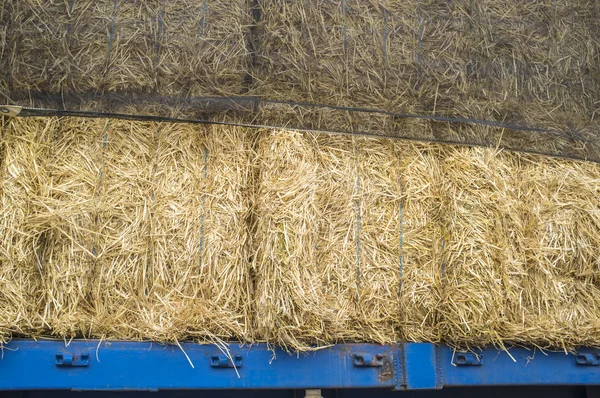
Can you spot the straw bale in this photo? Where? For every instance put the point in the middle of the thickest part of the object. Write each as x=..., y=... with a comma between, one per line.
x=421, y=235
x=135, y=47
x=25, y=149
x=327, y=239
x=122, y=229
x=300, y=52
x=145, y=232
x=338, y=198
x=528, y=63
x=203, y=48
x=358, y=193
x=381, y=239
x=199, y=269
x=37, y=45
x=553, y=298
x=227, y=242
x=81, y=48
x=290, y=301
x=68, y=219
x=59, y=47
x=476, y=183
x=5, y=23
x=89, y=48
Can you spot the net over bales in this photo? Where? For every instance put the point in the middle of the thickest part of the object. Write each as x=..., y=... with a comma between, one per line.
x=203, y=48
x=523, y=65
x=5, y=11
x=24, y=151
x=37, y=29
x=57, y=47
x=531, y=62
x=342, y=52
x=68, y=53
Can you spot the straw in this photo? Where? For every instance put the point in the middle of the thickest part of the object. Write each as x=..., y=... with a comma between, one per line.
x=25, y=151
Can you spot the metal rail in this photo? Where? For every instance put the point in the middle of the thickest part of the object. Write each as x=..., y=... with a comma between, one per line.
x=110, y=365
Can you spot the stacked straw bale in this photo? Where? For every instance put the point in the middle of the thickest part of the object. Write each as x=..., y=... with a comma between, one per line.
x=168, y=232
x=477, y=186
x=134, y=46
x=67, y=217
x=468, y=246
x=553, y=297
x=24, y=152
x=527, y=63
x=290, y=302
x=199, y=268
x=88, y=50
x=338, y=198
x=520, y=235
x=5, y=13
x=141, y=230
x=420, y=236
x=328, y=241
x=379, y=269
x=37, y=30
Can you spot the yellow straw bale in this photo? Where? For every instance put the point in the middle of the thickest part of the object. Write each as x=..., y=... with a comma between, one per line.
x=25, y=149
x=199, y=269
x=68, y=219
x=476, y=183
x=421, y=254
x=381, y=240
x=327, y=241
x=553, y=299
x=142, y=229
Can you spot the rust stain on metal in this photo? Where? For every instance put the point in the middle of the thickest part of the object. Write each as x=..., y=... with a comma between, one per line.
x=386, y=373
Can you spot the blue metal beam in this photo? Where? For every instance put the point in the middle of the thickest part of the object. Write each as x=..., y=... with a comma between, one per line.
x=521, y=367
x=31, y=365
x=427, y=366
x=91, y=365
x=420, y=365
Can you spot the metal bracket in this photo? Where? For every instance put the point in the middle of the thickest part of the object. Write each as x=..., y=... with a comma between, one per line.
x=367, y=360
x=10, y=110
x=72, y=360
x=467, y=359
x=587, y=359
x=223, y=361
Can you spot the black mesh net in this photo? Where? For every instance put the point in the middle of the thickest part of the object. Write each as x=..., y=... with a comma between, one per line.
x=523, y=75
